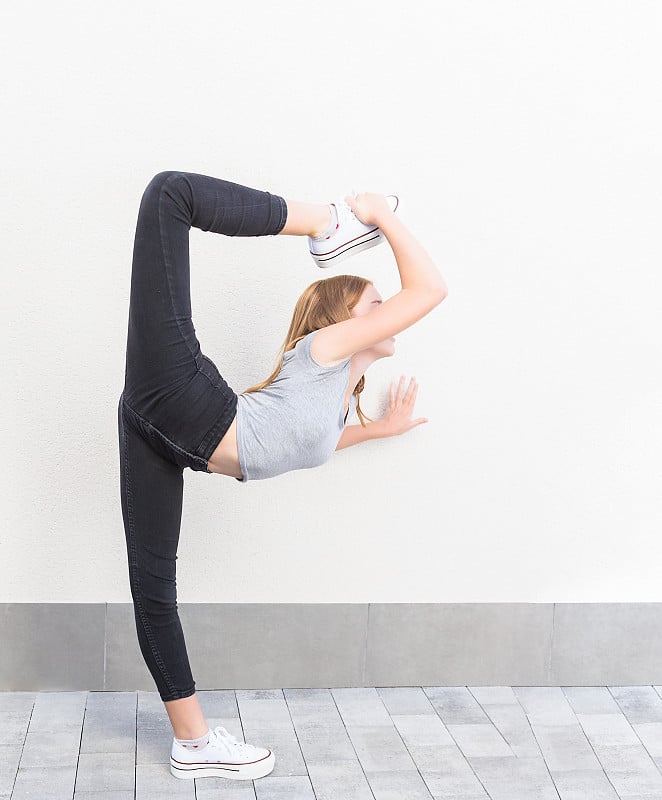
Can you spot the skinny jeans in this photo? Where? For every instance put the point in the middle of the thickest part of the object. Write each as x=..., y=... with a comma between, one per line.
x=175, y=406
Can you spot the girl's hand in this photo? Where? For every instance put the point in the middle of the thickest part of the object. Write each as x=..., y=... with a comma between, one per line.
x=397, y=418
x=369, y=207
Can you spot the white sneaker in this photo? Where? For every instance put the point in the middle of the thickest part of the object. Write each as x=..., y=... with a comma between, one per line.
x=224, y=757
x=349, y=237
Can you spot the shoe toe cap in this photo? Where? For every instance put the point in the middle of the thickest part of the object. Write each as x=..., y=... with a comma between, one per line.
x=263, y=752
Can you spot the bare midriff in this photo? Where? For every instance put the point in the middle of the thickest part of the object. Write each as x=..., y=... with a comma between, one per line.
x=225, y=458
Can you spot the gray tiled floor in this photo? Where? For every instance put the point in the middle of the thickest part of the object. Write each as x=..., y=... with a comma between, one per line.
x=412, y=743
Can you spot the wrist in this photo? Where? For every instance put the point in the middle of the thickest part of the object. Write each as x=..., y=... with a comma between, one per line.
x=378, y=429
x=387, y=220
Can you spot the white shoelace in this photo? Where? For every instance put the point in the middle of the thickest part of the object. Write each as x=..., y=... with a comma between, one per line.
x=345, y=213
x=223, y=733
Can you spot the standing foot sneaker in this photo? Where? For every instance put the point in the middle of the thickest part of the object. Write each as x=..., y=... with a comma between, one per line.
x=346, y=235
x=224, y=757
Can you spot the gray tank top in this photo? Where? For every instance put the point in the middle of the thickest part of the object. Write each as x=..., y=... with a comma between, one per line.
x=296, y=421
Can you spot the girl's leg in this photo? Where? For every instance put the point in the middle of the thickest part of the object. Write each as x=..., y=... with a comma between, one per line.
x=151, y=488
x=163, y=351
x=306, y=219
x=186, y=718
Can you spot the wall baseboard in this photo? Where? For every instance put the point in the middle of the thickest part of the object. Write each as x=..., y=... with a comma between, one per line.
x=93, y=646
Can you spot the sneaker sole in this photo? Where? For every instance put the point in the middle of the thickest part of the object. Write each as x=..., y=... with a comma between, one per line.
x=348, y=249
x=237, y=772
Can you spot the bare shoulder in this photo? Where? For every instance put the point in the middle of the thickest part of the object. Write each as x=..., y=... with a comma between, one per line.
x=320, y=349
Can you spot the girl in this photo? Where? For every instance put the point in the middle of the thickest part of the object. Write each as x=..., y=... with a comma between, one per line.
x=177, y=411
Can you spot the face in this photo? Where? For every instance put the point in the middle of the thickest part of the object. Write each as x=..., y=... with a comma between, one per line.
x=370, y=300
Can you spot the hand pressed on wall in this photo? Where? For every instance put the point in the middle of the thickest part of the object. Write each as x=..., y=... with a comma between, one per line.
x=398, y=417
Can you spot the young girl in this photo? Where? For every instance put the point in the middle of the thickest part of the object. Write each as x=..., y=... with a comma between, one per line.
x=177, y=411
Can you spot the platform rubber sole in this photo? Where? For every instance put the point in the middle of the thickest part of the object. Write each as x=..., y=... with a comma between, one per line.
x=365, y=242
x=236, y=772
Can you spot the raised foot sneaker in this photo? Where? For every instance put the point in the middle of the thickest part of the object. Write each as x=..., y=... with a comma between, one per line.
x=346, y=235
x=224, y=757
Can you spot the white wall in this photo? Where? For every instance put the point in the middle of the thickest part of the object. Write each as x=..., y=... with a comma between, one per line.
x=524, y=142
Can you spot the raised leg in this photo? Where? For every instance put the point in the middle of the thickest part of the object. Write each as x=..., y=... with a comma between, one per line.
x=162, y=346
x=306, y=219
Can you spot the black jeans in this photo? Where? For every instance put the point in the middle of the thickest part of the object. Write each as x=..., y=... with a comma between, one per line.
x=175, y=407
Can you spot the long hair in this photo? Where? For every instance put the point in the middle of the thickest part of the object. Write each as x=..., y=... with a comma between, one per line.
x=323, y=303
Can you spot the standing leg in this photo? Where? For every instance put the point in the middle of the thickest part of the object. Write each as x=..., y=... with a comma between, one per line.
x=164, y=386
x=151, y=488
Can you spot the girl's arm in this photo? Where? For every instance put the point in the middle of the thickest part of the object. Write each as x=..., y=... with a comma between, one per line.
x=353, y=434
x=423, y=288
x=396, y=420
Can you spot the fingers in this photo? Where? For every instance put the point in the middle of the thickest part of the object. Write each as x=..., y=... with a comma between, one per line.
x=409, y=395
x=401, y=404
x=413, y=388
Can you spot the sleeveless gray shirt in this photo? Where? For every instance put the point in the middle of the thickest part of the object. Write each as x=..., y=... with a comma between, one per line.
x=296, y=421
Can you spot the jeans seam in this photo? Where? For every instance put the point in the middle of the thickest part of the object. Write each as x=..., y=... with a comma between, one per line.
x=203, y=357
x=213, y=431
x=136, y=576
x=166, y=257
x=218, y=423
x=180, y=695
x=283, y=214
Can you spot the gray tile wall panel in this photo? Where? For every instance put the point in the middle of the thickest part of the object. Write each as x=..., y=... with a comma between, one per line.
x=79, y=646
x=52, y=646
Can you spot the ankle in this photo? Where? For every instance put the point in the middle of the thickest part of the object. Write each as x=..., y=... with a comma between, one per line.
x=189, y=734
x=324, y=222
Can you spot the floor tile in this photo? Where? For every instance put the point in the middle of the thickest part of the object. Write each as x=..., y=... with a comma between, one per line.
x=346, y=743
